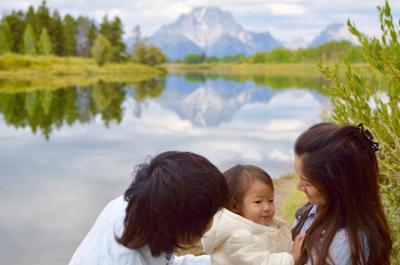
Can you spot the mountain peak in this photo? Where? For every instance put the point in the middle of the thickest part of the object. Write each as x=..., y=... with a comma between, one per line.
x=212, y=31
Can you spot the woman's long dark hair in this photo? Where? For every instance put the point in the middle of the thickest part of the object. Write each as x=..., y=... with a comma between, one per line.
x=340, y=161
x=171, y=201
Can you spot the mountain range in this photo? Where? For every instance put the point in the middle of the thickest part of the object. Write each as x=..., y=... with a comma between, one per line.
x=214, y=32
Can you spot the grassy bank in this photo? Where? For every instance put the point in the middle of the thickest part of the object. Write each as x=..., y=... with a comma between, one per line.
x=21, y=72
x=289, y=69
x=287, y=198
x=281, y=69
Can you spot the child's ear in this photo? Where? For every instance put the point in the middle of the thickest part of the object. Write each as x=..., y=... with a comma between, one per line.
x=235, y=208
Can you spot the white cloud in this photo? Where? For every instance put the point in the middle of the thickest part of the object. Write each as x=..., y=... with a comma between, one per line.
x=286, y=9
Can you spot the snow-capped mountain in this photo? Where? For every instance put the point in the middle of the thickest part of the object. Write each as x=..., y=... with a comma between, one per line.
x=337, y=31
x=211, y=31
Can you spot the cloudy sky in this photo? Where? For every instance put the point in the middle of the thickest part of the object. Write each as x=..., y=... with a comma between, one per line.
x=285, y=19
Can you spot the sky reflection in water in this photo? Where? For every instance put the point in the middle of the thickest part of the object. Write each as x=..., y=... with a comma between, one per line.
x=51, y=191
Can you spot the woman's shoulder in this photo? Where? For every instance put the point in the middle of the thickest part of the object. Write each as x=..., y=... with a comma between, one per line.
x=340, y=249
x=341, y=238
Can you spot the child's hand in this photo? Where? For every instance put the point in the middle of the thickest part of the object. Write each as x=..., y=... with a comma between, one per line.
x=297, y=245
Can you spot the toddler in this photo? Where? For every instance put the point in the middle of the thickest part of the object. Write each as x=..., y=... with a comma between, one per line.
x=246, y=231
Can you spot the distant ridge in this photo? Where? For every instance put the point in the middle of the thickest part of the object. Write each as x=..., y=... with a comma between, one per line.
x=335, y=31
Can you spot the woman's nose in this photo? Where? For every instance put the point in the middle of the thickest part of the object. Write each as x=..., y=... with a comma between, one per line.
x=300, y=185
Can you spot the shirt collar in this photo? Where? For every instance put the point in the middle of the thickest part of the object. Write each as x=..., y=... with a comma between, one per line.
x=313, y=211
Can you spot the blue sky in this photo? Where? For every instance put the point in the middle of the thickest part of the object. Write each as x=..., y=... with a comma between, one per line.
x=285, y=19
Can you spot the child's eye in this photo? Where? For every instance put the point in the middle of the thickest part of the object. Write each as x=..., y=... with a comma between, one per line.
x=271, y=201
x=257, y=202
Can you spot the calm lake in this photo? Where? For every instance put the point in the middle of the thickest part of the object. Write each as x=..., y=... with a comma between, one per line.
x=64, y=153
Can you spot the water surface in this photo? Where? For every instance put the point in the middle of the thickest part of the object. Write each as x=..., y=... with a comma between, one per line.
x=65, y=153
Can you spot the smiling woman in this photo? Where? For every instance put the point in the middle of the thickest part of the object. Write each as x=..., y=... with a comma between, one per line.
x=344, y=219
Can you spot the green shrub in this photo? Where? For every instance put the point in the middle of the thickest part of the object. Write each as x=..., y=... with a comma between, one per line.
x=374, y=100
x=294, y=201
x=149, y=55
x=101, y=50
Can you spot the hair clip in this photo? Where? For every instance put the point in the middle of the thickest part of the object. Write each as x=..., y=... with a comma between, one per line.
x=369, y=137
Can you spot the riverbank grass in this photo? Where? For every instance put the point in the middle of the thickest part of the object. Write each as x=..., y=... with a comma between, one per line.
x=18, y=66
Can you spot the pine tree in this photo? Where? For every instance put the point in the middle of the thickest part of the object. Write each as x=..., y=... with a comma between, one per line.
x=45, y=46
x=5, y=37
x=105, y=28
x=43, y=19
x=118, y=46
x=30, y=19
x=29, y=41
x=70, y=31
x=56, y=32
x=113, y=32
x=15, y=21
x=92, y=34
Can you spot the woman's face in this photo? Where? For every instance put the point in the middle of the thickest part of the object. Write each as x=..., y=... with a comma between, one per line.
x=314, y=195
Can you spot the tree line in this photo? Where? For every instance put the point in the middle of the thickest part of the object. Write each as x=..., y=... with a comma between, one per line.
x=334, y=50
x=44, y=32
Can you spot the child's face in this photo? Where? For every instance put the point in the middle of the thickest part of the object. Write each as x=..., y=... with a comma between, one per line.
x=258, y=203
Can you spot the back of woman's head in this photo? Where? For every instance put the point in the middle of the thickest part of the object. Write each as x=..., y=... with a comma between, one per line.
x=239, y=180
x=340, y=161
x=171, y=201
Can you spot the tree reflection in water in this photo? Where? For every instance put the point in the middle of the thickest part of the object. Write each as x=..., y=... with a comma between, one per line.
x=44, y=110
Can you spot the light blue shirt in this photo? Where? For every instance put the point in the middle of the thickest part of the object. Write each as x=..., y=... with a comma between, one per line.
x=339, y=250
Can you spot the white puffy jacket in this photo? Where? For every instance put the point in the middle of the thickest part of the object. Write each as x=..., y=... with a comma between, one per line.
x=235, y=240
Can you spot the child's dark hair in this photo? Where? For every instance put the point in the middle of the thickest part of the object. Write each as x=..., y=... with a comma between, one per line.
x=171, y=201
x=239, y=179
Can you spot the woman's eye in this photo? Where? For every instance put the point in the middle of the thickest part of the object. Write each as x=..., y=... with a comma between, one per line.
x=271, y=201
x=257, y=202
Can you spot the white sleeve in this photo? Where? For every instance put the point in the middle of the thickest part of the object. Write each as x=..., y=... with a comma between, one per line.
x=191, y=260
x=243, y=248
